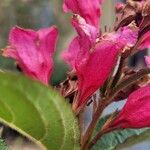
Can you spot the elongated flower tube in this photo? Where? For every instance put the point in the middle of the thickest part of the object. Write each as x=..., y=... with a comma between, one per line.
x=135, y=113
x=93, y=64
x=33, y=51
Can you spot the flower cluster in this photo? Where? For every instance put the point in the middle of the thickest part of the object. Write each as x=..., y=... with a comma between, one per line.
x=92, y=55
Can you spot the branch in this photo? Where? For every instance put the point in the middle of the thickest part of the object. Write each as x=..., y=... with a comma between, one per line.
x=129, y=81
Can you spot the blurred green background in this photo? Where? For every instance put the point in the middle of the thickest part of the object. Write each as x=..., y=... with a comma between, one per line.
x=36, y=14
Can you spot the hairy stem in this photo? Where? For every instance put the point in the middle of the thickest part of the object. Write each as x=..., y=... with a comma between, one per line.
x=89, y=131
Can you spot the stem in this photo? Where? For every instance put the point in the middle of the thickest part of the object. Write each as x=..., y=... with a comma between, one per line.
x=131, y=80
x=81, y=122
x=119, y=72
x=96, y=138
x=75, y=102
x=89, y=131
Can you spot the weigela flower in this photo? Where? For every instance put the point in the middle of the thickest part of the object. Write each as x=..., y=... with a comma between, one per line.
x=92, y=55
x=33, y=51
x=93, y=64
x=135, y=113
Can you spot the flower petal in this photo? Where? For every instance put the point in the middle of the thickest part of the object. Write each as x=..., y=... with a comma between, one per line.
x=85, y=29
x=33, y=51
x=135, y=113
x=94, y=66
x=71, y=54
x=89, y=10
x=145, y=41
x=48, y=38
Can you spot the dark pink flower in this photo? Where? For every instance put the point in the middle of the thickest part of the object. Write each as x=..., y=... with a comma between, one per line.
x=33, y=51
x=94, y=62
x=135, y=113
x=95, y=65
x=145, y=41
x=88, y=9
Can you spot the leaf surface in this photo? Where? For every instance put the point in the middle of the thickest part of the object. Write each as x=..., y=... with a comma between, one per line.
x=37, y=112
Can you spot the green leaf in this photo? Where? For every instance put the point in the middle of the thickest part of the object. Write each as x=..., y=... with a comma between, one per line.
x=111, y=140
x=3, y=145
x=37, y=112
x=144, y=137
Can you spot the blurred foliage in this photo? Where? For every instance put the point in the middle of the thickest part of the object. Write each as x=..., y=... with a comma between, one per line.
x=3, y=145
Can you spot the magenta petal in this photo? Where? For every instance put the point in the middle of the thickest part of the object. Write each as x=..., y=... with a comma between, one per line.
x=23, y=42
x=33, y=51
x=88, y=9
x=71, y=54
x=145, y=41
x=48, y=38
x=85, y=29
x=135, y=113
x=129, y=35
x=94, y=68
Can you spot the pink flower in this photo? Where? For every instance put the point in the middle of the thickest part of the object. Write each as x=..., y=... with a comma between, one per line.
x=91, y=56
x=145, y=41
x=94, y=62
x=135, y=113
x=33, y=51
x=88, y=9
x=93, y=68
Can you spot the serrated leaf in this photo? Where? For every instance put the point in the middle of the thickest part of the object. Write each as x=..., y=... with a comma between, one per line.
x=111, y=140
x=37, y=112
